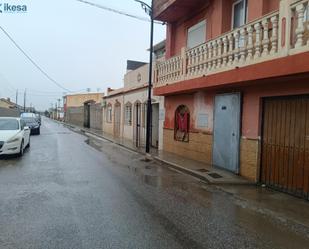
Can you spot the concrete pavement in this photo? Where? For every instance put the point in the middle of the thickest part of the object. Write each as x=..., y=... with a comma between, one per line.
x=74, y=191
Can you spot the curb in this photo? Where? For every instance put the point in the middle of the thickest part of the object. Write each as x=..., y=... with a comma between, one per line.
x=182, y=169
x=205, y=178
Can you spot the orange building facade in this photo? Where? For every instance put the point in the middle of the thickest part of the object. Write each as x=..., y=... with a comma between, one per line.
x=240, y=71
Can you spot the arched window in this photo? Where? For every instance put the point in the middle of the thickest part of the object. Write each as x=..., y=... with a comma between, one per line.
x=109, y=113
x=128, y=114
x=182, y=124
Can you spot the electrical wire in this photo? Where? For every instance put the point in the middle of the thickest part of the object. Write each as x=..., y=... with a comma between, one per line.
x=120, y=12
x=32, y=61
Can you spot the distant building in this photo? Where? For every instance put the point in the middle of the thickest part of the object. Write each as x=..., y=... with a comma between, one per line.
x=7, y=103
x=9, y=108
x=125, y=109
x=76, y=100
x=83, y=109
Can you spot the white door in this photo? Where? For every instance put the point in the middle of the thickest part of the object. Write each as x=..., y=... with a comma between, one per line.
x=227, y=131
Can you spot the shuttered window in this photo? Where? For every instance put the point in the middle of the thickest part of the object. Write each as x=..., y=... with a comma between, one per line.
x=196, y=34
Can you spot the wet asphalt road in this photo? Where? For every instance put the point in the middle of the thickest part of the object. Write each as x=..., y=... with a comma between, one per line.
x=73, y=191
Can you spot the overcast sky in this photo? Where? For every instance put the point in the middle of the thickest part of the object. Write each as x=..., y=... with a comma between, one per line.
x=78, y=45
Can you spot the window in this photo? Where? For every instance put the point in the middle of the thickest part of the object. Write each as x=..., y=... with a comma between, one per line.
x=109, y=113
x=9, y=124
x=182, y=124
x=239, y=16
x=22, y=124
x=196, y=35
x=306, y=14
x=128, y=114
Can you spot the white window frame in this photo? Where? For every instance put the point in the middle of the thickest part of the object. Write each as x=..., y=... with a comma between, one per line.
x=306, y=14
x=128, y=114
x=194, y=27
x=109, y=113
x=245, y=14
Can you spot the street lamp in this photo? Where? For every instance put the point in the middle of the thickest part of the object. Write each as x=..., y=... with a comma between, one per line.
x=149, y=10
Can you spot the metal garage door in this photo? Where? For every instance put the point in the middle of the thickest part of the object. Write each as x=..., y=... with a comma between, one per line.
x=285, y=144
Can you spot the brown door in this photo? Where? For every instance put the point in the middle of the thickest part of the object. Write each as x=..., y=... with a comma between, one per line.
x=117, y=120
x=285, y=144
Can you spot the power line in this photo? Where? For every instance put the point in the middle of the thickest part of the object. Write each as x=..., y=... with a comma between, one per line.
x=120, y=12
x=32, y=61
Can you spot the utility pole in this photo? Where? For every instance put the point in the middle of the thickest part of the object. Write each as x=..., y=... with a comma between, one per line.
x=56, y=110
x=16, y=100
x=149, y=10
x=58, y=116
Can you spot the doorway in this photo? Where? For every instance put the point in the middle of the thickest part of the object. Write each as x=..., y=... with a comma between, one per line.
x=117, y=120
x=137, y=124
x=227, y=131
x=155, y=126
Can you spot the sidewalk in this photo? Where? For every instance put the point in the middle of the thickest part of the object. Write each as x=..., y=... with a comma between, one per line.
x=203, y=171
x=285, y=209
x=200, y=170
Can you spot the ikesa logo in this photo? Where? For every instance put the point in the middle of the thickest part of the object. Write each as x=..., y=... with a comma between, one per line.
x=12, y=8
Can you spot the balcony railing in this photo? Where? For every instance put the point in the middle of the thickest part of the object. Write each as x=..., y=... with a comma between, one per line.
x=252, y=43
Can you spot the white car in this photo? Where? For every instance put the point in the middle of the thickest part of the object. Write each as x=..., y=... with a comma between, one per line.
x=14, y=136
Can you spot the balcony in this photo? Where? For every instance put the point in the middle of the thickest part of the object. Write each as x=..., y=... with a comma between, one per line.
x=172, y=10
x=279, y=34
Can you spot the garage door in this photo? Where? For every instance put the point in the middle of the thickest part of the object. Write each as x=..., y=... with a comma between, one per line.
x=285, y=144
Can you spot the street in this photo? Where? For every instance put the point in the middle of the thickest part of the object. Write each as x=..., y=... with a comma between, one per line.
x=74, y=191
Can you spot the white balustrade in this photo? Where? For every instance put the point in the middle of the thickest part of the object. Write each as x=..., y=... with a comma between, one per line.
x=252, y=43
x=300, y=10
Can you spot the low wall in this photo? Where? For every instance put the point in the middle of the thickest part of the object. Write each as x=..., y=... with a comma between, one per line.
x=198, y=148
x=75, y=115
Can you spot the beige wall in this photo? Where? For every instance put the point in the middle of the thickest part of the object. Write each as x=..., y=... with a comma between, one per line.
x=131, y=78
x=127, y=131
x=200, y=148
x=4, y=104
x=108, y=127
x=80, y=99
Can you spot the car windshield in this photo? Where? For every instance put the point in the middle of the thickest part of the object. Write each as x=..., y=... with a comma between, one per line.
x=9, y=124
x=27, y=115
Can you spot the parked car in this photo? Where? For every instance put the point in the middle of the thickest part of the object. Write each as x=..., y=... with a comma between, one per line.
x=38, y=118
x=33, y=124
x=28, y=115
x=14, y=136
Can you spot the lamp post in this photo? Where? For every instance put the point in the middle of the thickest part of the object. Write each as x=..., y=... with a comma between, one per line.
x=149, y=10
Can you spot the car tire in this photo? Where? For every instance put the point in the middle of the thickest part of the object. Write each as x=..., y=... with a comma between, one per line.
x=21, y=152
x=28, y=145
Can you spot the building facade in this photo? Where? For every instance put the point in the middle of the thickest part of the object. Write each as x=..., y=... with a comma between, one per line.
x=125, y=109
x=84, y=109
x=9, y=108
x=236, y=84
